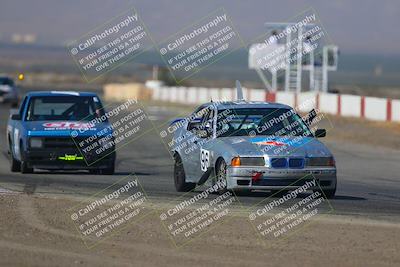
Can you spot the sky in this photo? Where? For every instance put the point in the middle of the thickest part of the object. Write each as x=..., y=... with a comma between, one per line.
x=356, y=26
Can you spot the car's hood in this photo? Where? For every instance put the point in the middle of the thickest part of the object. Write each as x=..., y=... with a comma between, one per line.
x=65, y=128
x=275, y=146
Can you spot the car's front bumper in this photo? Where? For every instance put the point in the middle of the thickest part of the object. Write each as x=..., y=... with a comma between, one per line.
x=51, y=160
x=263, y=178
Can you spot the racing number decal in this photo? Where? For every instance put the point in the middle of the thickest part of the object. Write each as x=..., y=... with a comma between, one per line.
x=204, y=159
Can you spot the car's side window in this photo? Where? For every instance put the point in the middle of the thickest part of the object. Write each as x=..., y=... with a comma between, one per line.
x=210, y=118
x=198, y=117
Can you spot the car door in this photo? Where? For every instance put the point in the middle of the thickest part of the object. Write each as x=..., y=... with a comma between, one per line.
x=15, y=131
x=202, y=156
x=193, y=149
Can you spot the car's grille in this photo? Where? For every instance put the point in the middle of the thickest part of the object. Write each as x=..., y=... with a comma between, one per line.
x=278, y=163
x=60, y=142
x=295, y=163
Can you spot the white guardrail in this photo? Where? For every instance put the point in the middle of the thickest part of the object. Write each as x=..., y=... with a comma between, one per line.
x=372, y=108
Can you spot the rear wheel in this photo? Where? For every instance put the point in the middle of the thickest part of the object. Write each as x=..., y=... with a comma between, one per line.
x=180, y=178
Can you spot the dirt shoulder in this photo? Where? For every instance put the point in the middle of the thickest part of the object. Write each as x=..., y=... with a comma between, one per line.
x=354, y=130
x=36, y=231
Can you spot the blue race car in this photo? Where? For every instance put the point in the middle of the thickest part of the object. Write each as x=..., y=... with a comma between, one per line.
x=48, y=127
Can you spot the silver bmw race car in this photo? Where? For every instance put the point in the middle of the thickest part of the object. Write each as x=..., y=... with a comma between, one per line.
x=250, y=146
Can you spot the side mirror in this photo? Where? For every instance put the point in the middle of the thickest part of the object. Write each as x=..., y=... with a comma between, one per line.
x=15, y=117
x=203, y=133
x=320, y=133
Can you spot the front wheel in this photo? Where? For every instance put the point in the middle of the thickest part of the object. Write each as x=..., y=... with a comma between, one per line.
x=220, y=175
x=24, y=164
x=109, y=171
x=180, y=178
x=329, y=193
x=25, y=168
x=15, y=165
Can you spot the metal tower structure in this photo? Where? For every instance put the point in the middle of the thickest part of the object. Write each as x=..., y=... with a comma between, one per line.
x=293, y=56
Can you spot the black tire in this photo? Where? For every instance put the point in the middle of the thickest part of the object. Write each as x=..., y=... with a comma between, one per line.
x=15, y=165
x=220, y=175
x=330, y=193
x=108, y=171
x=180, y=178
x=24, y=164
x=25, y=168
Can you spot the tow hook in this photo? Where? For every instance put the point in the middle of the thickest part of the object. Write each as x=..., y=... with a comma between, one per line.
x=256, y=176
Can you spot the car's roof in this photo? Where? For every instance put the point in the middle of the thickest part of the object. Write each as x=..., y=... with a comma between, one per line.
x=60, y=93
x=246, y=104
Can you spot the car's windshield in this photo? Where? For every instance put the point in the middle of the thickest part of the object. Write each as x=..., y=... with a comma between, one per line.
x=60, y=108
x=260, y=121
x=6, y=81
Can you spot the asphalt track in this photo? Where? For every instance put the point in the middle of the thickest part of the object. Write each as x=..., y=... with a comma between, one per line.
x=368, y=176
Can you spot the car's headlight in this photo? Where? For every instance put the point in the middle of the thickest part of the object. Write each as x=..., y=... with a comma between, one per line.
x=248, y=161
x=321, y=162
x=36, y=142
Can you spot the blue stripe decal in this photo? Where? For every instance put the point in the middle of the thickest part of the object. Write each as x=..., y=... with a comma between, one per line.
x=59, y=133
